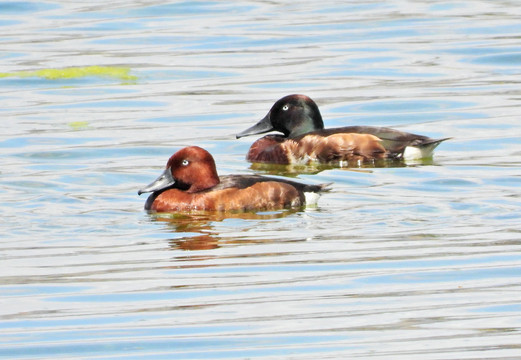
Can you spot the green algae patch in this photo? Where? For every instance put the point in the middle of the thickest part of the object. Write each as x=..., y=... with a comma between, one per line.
x=78, y=125
x=115, y=72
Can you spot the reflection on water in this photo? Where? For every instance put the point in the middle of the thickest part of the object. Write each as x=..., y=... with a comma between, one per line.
x=293, y=170
x=398, y=261
x=202, y=223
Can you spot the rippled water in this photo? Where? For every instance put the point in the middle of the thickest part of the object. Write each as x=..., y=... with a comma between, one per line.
x=405, y=262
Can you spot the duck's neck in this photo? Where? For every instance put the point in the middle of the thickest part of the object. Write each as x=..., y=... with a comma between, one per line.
x=308, y=123
x=206, y=178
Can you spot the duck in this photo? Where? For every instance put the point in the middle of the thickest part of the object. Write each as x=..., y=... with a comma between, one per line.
x=304, y=138
x=190, y=183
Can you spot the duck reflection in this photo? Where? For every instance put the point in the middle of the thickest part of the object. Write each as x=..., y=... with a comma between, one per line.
x=199, y=228
x=293, y=170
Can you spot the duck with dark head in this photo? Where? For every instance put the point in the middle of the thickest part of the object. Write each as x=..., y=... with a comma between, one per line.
x=304, y=138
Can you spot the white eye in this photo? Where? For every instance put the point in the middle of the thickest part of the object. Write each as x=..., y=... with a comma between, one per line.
x=185, y=162
x=285, y=107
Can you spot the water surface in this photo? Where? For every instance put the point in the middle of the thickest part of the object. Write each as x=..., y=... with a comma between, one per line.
x=420, y=260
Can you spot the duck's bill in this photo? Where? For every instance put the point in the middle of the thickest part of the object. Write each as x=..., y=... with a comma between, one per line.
x=164, y=181
x=261, y=127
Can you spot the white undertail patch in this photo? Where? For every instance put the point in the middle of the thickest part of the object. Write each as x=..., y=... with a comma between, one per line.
x=419, y=152
x=413, y=153
x=311, y=198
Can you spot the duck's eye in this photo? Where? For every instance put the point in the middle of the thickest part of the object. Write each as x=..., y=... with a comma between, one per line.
x=185, y=162
x=285, y=107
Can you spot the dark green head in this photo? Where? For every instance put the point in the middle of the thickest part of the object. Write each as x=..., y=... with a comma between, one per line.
x=293, y=115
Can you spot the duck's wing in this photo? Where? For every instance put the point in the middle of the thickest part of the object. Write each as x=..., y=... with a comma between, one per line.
x=245, y=181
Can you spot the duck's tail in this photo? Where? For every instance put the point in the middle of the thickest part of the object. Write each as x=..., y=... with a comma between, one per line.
x=422, y=150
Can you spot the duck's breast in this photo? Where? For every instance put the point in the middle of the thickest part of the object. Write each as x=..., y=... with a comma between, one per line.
x=268, y=149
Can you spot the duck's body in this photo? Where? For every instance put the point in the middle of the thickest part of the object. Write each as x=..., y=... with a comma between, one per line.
x=305, y=139
x=190, y=183
x=316, y=146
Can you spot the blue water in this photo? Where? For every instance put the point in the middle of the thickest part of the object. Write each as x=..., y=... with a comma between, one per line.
x=417, y=260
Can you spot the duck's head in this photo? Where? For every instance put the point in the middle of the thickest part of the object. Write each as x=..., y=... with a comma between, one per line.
x=293, y=115
x=191, y=169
